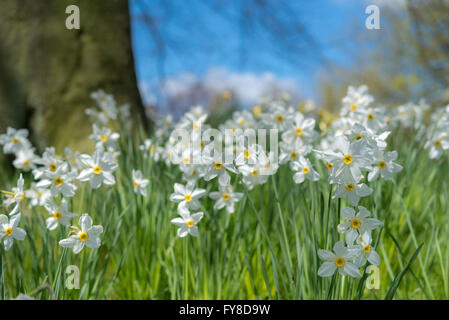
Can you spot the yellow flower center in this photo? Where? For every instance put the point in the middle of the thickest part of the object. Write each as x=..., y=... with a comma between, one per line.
x=57, y=215
x=437, y=143
x=194, y=173
x=353, y=107
x=15, y=141
x=152, y=149
x=58, y=181
x=186, y=160
x=97, y=170
x=257, y=110
x=136, y=184
x=226, y=196
x=347, y=159
x=358, y=137
x=104, y=138
x=190, y=223
x=254, y=173
x=367, y=248
x=246, y=154
x=218, y=165
x=305, y=170
x=382, y=165
x=356, y=223
x=349, y=187
x=298, y=131
x=188, y=197
x=22, y=196
x=26, y=163
x=9, y=231
x=293, y=155
x=279, y=118
x=52, y=167
x=226, y=95
x=241, y=121
x=370, y=116
x=329, y=165
x=83, y=236
x=340, y=262
x=195, y=126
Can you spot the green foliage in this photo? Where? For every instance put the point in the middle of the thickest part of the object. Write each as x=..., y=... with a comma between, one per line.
x=267, y=249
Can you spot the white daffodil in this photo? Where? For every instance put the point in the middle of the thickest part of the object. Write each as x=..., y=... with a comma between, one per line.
x=50, y=162
x=292, y=152
x=437, y=144
x=215, y=167
x=73, y=158
x=365, y=251
x=187, y=195
x=348, y=158
x=356, y=224
x=59, y=181
x=16, y=196
x=87, y=235
x=340, y=260
x=25, y=159
x=352, y=191
x=192, y=172
x=104, y=138
x=139, y=183
x=225, y=198
x=107, y=104
x=14, y=140
x=356, y=100
x=304, y=170
x=98, y=169
x=37, y=196
x=9, y=230
x=187, y=223
x=300, y=130
x=59, y=214
x=151, y=148
x=384, y=166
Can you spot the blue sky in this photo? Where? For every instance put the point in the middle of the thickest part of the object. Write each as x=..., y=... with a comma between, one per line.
x=205, y=39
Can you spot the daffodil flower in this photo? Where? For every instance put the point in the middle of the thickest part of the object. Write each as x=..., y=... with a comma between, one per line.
x=9, y=230
x=86, y=235
x=340, y=259
x=187, y=223
x=59, y=214
x=139, y=183
x=356, y=224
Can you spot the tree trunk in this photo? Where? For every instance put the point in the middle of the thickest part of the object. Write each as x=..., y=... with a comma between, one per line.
x=47, y=72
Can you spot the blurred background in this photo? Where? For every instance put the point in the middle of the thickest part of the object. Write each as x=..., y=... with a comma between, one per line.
x=165, y=56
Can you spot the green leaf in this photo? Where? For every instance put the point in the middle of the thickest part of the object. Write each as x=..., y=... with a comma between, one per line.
x=394, y=286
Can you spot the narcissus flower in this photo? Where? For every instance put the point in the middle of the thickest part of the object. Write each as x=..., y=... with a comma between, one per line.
x=356, y=224
x=225, y=198
x=340, y=260
x=304, y=170
x=59, y=181
x=9, y=230
x=384, y=166
x=187, y=195
x=98, y=169
x=16, y=196
x=187, y=222
x=139, y=183
x=14, y=140
x=59, y=214
x=86, y=235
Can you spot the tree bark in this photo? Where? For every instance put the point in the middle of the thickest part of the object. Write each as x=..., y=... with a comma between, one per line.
x=47, y=71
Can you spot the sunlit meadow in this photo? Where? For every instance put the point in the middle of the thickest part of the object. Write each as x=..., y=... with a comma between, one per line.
x=365, y=187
